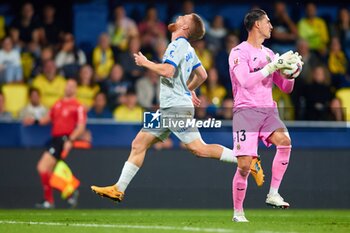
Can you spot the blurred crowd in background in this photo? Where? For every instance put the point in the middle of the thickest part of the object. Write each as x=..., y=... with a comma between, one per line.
x=39, y=53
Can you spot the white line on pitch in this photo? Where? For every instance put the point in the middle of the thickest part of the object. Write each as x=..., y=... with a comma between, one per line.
x=88, y=225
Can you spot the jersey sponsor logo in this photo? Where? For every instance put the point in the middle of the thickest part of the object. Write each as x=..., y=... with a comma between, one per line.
x=188, y=56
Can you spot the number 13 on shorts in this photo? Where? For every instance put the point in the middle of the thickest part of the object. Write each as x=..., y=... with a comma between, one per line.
x=240, y=136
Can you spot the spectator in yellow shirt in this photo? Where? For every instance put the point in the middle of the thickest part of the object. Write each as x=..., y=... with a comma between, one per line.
x=102, y=57
x=87, y=89
x=314, y=30
x=122, y=28
x=337, y=62
x=203, y=54
x=212, y=89
x=50, y=85
x=129, y=110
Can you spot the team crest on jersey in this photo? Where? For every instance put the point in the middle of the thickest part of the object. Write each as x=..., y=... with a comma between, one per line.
x=238, y=146
x=236, y=61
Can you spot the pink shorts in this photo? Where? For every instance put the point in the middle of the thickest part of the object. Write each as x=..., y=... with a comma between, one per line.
x=249, y=125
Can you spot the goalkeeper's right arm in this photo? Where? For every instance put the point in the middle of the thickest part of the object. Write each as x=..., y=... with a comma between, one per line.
x=249, y=79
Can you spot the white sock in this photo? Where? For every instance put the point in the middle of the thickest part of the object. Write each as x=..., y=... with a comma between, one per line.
x=273, y=191
x=228, y=156
x=128, y=173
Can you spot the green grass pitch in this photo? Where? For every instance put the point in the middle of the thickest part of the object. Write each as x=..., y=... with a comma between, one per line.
x=172, y=221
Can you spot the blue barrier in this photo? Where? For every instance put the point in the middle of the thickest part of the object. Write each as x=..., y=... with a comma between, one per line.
x=109, y=134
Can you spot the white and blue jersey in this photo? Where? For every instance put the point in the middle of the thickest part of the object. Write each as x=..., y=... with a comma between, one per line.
x=174, y=91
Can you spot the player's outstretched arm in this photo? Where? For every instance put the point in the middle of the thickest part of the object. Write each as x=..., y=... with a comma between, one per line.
x=163, y=69
x=249, y=79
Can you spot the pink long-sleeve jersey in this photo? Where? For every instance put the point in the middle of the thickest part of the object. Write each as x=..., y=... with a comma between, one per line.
x=250, y=87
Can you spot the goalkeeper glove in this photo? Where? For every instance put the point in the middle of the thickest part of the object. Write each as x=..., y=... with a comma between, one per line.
x=285, y=61
x=297, y=68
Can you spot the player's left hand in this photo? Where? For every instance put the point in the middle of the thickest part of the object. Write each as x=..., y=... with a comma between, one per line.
x=195, y=100
x=297, y=68
x=140, y=59
x=67, y=146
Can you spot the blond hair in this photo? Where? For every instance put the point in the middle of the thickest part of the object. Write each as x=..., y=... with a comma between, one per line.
x=197, y=30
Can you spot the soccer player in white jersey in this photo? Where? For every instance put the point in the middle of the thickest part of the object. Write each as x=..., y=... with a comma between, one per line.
x=181, y=73
x=253, y=70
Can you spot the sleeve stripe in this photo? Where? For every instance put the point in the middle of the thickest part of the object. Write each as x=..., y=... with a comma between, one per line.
x=196, y=66
x=171, y=63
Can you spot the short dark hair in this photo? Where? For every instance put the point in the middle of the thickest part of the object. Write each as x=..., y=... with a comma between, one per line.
x=100, y=93
x=34, y=89
x=251, y=17
x=197, y=30
x=131, y=91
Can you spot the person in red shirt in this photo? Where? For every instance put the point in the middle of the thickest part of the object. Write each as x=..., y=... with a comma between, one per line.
x=68, y=118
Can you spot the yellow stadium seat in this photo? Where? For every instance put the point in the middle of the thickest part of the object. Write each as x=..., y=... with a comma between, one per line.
x=16, y=97
x=343, y=95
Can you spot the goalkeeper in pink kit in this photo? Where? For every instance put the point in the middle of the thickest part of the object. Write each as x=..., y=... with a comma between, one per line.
x=253, y=70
